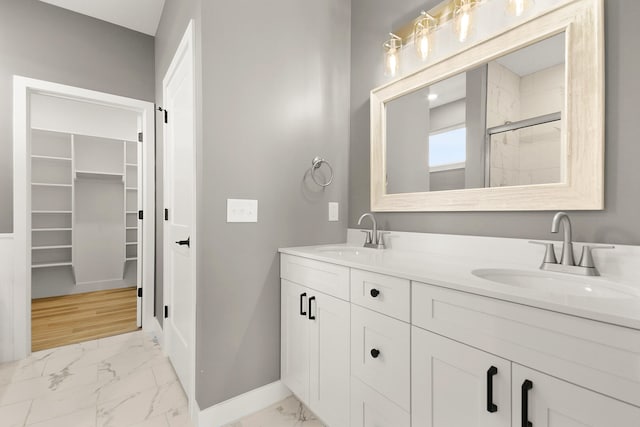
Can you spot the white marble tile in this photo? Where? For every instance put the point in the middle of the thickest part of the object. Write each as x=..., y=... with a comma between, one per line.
x=287, y=413
x=54, y=405
x=159, y=421
x=164, y=372
x=14, y=415
x=83, y=418
x=130, y=361
x=141, y=406
x=179, y=417
x=125, y=386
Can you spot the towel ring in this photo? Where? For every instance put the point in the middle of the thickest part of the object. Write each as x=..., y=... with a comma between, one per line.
x=315, y=165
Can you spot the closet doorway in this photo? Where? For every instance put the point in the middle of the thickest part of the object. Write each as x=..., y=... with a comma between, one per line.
x=84, y=178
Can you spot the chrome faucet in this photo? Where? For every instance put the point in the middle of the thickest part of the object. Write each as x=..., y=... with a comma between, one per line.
x=567, y=243
x=374, y=238
x=567, y=264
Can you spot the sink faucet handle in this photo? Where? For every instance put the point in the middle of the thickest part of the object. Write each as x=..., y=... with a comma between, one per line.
x=550, y=252
x=368, y=236
x=586, y=260
x=381, y=237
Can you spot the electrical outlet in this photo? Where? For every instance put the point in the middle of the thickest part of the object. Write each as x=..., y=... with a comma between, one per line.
x=242, y=210
x=334, y=211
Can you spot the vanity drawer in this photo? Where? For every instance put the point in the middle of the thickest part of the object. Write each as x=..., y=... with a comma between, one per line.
x=321, y=276
x=595, y=355
x=384, y=294
x=371, y=409
x=381, y=354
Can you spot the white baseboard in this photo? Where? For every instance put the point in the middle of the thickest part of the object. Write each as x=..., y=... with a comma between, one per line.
x=240, y=406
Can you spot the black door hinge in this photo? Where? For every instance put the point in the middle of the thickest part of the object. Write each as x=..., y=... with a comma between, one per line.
x=140, y=215
x=140, y=136
x=139, y=292
x=166, y=311
x=166, y=214
x=165, y=113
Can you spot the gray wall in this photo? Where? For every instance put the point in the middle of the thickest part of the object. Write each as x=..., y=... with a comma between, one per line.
x=373, y=19
x=276, y=94
x=49, y=43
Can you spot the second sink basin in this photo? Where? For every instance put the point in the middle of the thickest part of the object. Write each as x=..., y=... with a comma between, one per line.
x=557, y=283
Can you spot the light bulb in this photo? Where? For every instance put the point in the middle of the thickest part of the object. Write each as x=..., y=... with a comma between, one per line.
x=422, y=34
x=464, y=20
x=392, y=56
x=518, y=7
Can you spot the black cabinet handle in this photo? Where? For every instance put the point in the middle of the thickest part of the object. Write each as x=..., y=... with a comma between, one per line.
x=302, y=296
x=186, y=243
x=374, y=292
x=311, y=317
x=375, y=353
x=491, y=407
x=526, y=386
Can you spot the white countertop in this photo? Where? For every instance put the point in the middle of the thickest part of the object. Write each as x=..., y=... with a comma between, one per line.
x=455, y=272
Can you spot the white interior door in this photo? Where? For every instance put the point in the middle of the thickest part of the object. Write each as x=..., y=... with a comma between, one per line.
x=179, y=249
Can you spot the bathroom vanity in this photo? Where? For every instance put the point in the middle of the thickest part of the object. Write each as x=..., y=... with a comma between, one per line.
x=413, y=336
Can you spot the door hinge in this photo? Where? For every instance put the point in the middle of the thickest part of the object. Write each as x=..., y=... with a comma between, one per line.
x=166, y=311
x=166, y=214
x=140, y=215
x=165, y=114
x=139, y=292
x=140, y=136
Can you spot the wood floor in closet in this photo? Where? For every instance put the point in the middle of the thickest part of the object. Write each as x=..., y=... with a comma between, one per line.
x=69, y=319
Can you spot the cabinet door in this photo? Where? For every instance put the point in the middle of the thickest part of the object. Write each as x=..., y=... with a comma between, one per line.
x=329, y=358
x=294, y=357
x=371, y=409
x=454, y=385
x=540, y=400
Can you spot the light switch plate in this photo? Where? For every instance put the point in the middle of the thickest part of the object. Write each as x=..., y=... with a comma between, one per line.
x=334, y=211
x=242, y=210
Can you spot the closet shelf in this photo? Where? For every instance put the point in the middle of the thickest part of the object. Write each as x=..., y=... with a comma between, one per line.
x=99, y=175
x=51, y=212
x=131, y=258
x=37, y=248
x=46, y=184
x=131, y=165
x=52, y=264
x=131, y=243
x=132, y=189
x=51, y=229
x=131, y=228
x=132, y=212
x=62, y=159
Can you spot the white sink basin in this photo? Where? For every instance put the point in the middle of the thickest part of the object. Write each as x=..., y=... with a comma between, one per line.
x=346, y=250
x=558, y=283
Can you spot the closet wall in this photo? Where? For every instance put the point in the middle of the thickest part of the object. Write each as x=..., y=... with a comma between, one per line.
x=85, y=197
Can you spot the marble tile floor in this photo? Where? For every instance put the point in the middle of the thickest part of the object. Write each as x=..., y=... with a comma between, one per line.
x=287, y=413
x=120, y=381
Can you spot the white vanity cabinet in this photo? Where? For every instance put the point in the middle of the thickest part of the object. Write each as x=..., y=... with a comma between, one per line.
x=364, y=349
x=315, y=340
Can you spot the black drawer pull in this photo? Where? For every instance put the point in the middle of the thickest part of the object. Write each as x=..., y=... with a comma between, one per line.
x=374, y=292
x=311, y=317
x=375, y=353
x=186, y=243
x=302, y=296
x=491, y=407
x=526, y=386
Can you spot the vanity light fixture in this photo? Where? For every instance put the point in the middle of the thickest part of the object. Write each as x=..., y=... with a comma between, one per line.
x=464, y=17
x=518, y=7
x=392, y=55
x=423, y=34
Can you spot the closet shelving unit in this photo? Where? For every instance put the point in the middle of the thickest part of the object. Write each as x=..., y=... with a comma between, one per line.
x=74, y=179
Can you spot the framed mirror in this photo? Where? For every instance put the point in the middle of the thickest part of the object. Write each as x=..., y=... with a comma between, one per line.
x=515, y=122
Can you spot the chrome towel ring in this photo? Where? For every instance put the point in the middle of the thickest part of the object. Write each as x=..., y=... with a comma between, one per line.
x=315, y=165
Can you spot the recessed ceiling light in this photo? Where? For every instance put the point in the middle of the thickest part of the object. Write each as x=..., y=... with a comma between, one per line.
x=432, y=96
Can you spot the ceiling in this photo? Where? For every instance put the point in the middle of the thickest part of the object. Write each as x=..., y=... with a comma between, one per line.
x=138, y=15
x=536, y=57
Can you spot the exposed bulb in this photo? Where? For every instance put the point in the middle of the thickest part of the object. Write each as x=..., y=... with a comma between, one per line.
x=464, y=17
x=518, y=7
x=391, y=63
x=424, y=46
x=422, y=35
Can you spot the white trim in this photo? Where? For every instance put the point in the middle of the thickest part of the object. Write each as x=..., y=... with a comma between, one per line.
x=240, y=406
x=22, y=88
x=186, y=46
x=448, y=167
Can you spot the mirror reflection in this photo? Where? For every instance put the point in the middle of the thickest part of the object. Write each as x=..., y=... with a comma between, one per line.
x=499, y=124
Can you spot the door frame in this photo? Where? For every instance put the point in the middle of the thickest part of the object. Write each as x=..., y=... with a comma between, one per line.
x=23, y=87
x=186, y=47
